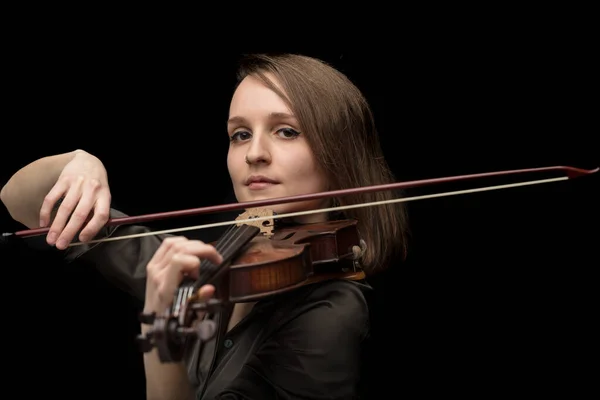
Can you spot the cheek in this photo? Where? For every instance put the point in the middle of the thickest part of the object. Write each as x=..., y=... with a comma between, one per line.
x=305, y=171
x=234, y=165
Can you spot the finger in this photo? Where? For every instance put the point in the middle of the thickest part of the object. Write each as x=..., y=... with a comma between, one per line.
x=170, y=278
x=64, y=212
x=53, y=196
x=206, y=292
x=204, y=251
x=99, y=219
x=194, y=247
x=78, y=218
x=186, y=264
x=162, y=256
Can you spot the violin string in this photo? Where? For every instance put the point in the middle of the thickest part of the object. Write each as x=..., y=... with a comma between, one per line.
x=308, y=212
x=243, y=234
x=187, y=289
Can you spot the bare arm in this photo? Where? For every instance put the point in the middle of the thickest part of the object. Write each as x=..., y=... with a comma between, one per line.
x=168, y=381
x=68, y=192
x=23, y=195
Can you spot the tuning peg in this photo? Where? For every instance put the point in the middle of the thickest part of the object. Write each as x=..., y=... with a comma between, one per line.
x=144, y=343
x=210, y=306
x=147, y=318
x=206, y=330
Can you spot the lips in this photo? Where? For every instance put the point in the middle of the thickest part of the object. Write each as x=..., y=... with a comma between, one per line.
x=259, y=179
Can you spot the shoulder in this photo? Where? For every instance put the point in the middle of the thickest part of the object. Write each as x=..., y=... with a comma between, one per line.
x=327, y=308
x=338, y=295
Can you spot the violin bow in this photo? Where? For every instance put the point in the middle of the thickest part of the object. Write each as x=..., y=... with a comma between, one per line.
x=567, y=173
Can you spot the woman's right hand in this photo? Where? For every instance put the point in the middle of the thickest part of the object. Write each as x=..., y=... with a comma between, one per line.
x=175, y=258
x=83, y=186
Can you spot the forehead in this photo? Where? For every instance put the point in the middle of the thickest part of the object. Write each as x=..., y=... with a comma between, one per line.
x=252, y=96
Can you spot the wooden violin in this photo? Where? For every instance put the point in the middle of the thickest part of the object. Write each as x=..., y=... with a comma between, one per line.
x=262, y=259
x=258, y=261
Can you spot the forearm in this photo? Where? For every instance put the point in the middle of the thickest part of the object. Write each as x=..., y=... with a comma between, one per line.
x=168, y=381
x=25, y=191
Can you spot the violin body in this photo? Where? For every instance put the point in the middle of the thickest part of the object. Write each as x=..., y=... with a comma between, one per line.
x=292, y=257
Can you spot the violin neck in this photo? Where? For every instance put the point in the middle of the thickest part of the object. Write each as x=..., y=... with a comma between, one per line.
x=229, y=245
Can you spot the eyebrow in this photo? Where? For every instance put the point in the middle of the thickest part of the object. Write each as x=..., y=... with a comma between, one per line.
x=273, y=115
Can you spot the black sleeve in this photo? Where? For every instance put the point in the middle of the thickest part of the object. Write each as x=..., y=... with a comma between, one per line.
x=314, y=353
x=121, y=262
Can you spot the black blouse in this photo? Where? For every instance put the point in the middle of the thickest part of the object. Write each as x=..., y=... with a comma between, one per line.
x=305, y=344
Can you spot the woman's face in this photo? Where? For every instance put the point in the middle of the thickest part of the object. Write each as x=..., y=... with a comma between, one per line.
x=268, y=154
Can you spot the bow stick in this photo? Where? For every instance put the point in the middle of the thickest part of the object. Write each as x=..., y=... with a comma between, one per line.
x=569, y=173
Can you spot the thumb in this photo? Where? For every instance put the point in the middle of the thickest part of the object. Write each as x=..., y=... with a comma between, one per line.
x=205, y=293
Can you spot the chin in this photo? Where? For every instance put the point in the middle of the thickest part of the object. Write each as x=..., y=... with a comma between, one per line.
x=246, y=195
x=255, y=195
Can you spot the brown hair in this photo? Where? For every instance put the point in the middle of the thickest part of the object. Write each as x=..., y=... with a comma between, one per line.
x=339, y=126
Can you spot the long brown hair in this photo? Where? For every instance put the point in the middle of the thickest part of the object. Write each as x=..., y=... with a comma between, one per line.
x=339, y=126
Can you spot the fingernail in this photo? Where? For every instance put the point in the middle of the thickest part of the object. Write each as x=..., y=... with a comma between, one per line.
x=61, y=244
x=51, y=237
x=42, y=223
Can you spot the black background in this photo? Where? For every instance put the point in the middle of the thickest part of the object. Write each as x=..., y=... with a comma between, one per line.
x=498, y=289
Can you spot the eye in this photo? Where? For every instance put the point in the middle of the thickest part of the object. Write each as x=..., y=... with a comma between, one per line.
x=240, y=135
x=288, y=133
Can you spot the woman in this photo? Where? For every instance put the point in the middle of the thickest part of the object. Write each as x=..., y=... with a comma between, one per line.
x=295, y=126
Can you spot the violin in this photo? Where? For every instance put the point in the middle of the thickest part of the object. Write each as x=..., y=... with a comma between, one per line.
x=258, y=262
x=262, y=258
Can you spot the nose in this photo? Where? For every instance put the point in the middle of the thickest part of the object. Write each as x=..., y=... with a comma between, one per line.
x=258, y=150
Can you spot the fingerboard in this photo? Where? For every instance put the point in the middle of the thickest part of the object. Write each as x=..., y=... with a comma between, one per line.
x=229, y=246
